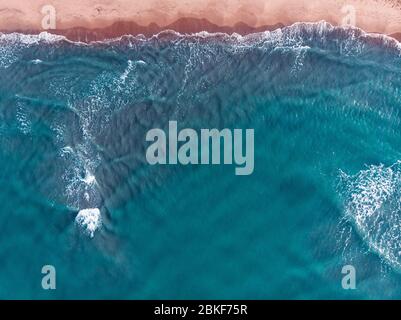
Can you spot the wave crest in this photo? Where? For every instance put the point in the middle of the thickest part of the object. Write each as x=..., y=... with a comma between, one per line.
x=299, y=32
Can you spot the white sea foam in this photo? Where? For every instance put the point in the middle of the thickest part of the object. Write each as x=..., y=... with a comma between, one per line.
x=126, y=72
x=373, y=205
x=81, y=185
x=90, y=220
x=36, y=61
x=29, y=39
x=66, y=150
x=23, y=118
x=13, y=44
x=292, y=33
x=89, y=178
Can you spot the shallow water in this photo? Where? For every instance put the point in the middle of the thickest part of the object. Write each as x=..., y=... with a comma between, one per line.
x=324, y=104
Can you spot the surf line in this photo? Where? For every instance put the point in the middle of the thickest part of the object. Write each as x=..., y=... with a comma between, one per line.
x=198, y=149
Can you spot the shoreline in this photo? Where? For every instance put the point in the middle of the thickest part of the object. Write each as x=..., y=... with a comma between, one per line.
x=97, y=20
x=182, y=27
x=123, y=28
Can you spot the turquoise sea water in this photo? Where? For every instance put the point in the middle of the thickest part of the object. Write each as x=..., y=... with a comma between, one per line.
x=325, y=106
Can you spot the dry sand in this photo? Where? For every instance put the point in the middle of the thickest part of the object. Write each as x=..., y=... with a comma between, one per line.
x=382, y=16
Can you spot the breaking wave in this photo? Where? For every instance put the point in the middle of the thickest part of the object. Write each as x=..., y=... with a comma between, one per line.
x=373, y=204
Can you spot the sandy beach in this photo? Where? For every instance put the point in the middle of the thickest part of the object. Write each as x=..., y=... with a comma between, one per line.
x=110, y=18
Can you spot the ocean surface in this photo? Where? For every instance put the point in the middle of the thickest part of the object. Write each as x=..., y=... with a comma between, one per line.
x=326, y=190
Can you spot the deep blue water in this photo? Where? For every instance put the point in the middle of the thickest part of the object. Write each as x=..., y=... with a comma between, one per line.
x=326, y=190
